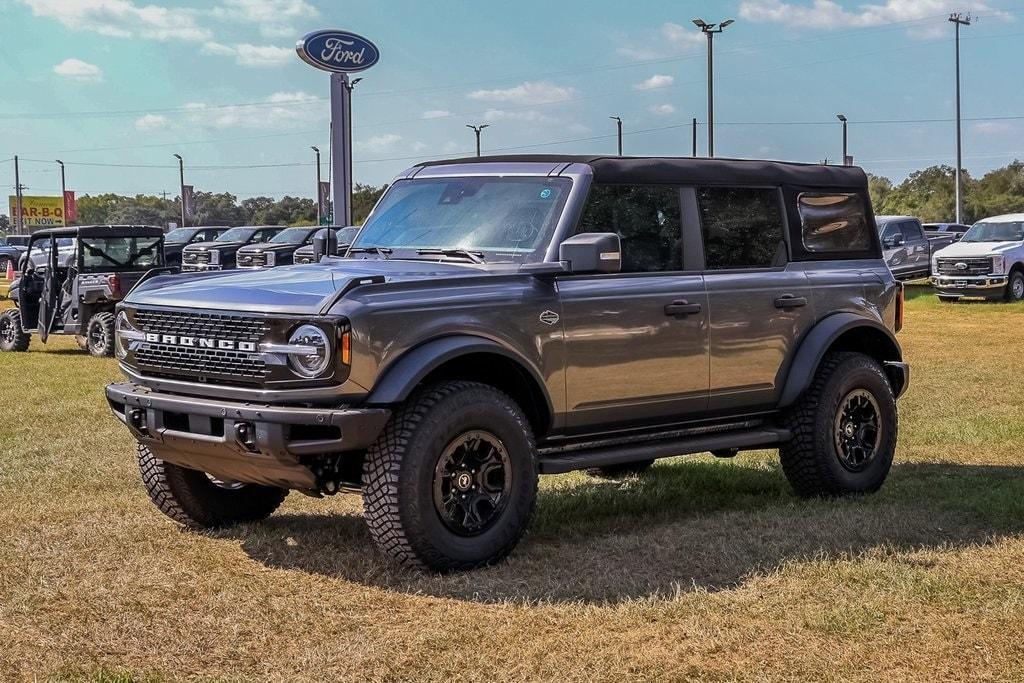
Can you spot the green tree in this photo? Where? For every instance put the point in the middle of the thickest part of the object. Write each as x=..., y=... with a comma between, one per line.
x=364, y=197
x=879, y=187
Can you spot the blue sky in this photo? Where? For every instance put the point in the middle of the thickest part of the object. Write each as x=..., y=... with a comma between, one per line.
x=115, y=87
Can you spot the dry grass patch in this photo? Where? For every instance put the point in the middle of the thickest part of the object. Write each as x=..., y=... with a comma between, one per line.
x=702, y=569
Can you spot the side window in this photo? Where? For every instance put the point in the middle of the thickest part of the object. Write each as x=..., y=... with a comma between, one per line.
x=646, y=219
x=912, y=232
x=742, y=227
x=834, y=222
x=200, y=236
x=889, y=232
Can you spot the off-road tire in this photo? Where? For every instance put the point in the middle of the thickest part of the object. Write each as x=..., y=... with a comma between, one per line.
x=1015, y=286
x=13, y=336
x=626, y=469
x=399, y=471
x=811, y=460
x=83, y=342
x=99, y=335
x=191, y=498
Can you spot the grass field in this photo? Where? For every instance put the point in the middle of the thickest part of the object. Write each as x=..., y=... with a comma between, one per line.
x=703, y=569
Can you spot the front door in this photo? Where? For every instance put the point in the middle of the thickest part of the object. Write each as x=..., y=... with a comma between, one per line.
x=50, y=293
x=636, y=342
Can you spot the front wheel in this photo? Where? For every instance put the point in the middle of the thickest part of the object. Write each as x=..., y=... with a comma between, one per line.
x=99, y=335
x=12, y=335
x=200, y=501
x=1015, y=286
x=844, y=429
x=452, y=480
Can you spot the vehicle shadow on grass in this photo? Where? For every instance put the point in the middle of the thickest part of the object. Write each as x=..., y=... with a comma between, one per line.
x=684, y=525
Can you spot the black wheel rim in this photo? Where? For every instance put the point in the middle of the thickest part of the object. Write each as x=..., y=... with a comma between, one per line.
x=96, y=337
x=858, y=430
x=7, y=330
x=472, y=481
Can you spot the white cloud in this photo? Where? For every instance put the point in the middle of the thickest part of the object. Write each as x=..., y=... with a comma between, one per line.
x=274, y=17
x=379, y=143
x=670, y=39
x=993, y=127
x=528, y=115
x=530, y=92
x=828, y=14
x=77, y=70
x=682, y=37
x=246, y=54
x=654, y=82
x=436, y=114
x=662, y=109
x=151, y=122
x=123, y=18
x=279, y=110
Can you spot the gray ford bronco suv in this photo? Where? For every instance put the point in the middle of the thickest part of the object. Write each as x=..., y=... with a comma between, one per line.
x=505, y=317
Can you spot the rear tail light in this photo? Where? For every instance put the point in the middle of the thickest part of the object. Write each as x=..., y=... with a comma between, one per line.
x=901, y=302
x=114, y=282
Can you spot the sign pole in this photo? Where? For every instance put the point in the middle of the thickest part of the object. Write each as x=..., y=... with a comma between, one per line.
x=341, y=148
x=19, y=219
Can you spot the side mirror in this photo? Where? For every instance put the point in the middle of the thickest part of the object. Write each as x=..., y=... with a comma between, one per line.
x=592, y=252
x=325, y=243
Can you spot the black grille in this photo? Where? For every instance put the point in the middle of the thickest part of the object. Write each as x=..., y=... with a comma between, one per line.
x=189, y=257
x=975, y=266
x=256, y=260
x=304, y=258
x=196, y=361
x=202, y=257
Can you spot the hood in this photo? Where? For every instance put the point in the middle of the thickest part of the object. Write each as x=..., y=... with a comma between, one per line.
x=958, y=249
x=304, y=289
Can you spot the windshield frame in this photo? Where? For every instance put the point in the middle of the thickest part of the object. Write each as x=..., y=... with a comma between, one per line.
x=1018, y=225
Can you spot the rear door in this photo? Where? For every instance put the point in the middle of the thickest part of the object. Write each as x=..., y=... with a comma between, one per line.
x=636, y=342
x=916, y=245
x=759, y=307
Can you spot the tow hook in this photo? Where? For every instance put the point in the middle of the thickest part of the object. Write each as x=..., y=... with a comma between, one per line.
x=245, y=434
x=137, y=421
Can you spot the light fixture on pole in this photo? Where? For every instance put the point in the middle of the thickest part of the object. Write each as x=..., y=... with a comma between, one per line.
x=319, y=209
x=63, y=190
x=710, y=30
x=181, y=183
x=618, y=128
x=846, y=157
x=478, y=130
x=959, y=20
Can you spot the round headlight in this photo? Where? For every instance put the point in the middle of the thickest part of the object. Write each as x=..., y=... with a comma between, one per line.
x=121, y=326
x=314, y=363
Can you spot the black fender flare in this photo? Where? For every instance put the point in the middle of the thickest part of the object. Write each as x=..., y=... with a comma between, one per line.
x=820, y=339
x=400, y=378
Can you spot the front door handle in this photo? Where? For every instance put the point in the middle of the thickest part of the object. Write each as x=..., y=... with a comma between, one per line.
x=682, y=307
x=787, y=301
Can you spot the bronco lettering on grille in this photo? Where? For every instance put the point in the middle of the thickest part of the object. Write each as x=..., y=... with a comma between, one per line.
x=200, y=342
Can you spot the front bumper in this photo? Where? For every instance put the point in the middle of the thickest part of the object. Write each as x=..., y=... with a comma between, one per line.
x=974, y=285
x=245, y=442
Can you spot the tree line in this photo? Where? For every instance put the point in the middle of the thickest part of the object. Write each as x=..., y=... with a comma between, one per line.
x=930, y=194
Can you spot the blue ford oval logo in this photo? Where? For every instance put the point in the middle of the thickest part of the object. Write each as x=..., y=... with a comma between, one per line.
x=337, y=51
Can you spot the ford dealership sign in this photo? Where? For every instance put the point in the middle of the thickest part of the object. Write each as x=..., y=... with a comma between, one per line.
x=337, y=51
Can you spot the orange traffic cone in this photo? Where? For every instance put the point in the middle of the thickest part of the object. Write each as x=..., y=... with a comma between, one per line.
x=10, y=271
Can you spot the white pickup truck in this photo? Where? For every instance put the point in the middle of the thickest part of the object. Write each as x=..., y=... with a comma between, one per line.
x=987, y=262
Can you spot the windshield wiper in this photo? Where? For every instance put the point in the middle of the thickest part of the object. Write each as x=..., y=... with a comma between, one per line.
x=474, y=256
x=383, y=252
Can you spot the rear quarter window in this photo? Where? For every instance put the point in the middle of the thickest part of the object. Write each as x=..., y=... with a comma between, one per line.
x=833, y=222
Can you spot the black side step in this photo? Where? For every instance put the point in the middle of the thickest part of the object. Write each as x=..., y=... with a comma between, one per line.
x=618, y=455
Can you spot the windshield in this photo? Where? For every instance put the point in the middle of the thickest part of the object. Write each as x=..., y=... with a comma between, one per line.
x=290, y=236
x=346, y=235
x=995, y=232
x=508, y=219
x=178, y=235
x=235, y=235
x=104, y=254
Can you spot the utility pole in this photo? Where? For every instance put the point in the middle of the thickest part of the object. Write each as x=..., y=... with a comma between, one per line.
x=694, y=136
x=846, y=157
x=19, y=220
x=958, y=21
x=618, y=127
x=710, y=30
x=181, y=178
x=319, y=209
x=478, y=130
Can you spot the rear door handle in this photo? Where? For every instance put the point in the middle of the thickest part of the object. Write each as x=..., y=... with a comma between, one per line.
x=682, y=307
x=787, y=301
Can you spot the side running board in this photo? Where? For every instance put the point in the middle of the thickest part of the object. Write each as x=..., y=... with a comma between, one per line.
x=618, y=455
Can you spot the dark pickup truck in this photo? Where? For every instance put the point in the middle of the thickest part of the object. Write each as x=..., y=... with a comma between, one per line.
x=503, y=317
x=907, y=249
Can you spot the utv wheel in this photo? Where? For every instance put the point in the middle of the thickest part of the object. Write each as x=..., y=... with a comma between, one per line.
x=99, y=335
x=844, y=429
x=1015, y=287
x=452, y=481
x=83, y=342
x=12, y=335
x=627, y=469
x=199, y=501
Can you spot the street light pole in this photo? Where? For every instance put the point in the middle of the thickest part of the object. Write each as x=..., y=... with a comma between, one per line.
x=958, y=21
x=319, y=209
x=842, y=118
x=63, y=191
x=181, y=183
x=710, y=30
x=477, y=130
x=618, y=128
x=19, y=220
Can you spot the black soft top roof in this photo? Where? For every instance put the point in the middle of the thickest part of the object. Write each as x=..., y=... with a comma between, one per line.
x=101, y=231
x=689, y=170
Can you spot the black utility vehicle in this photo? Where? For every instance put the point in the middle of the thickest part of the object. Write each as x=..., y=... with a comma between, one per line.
x=279, y=251
x=60, y=292
x=176, y=240
x=220, y=253
x=504, y=317
x=343, y=240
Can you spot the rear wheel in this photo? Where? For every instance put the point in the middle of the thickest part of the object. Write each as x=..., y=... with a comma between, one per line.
x=12, y=335
x=1015, y=286
x=200, y=501
x=844, y=429
x=626, y=469
x=99, y=335
x=82, y=341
